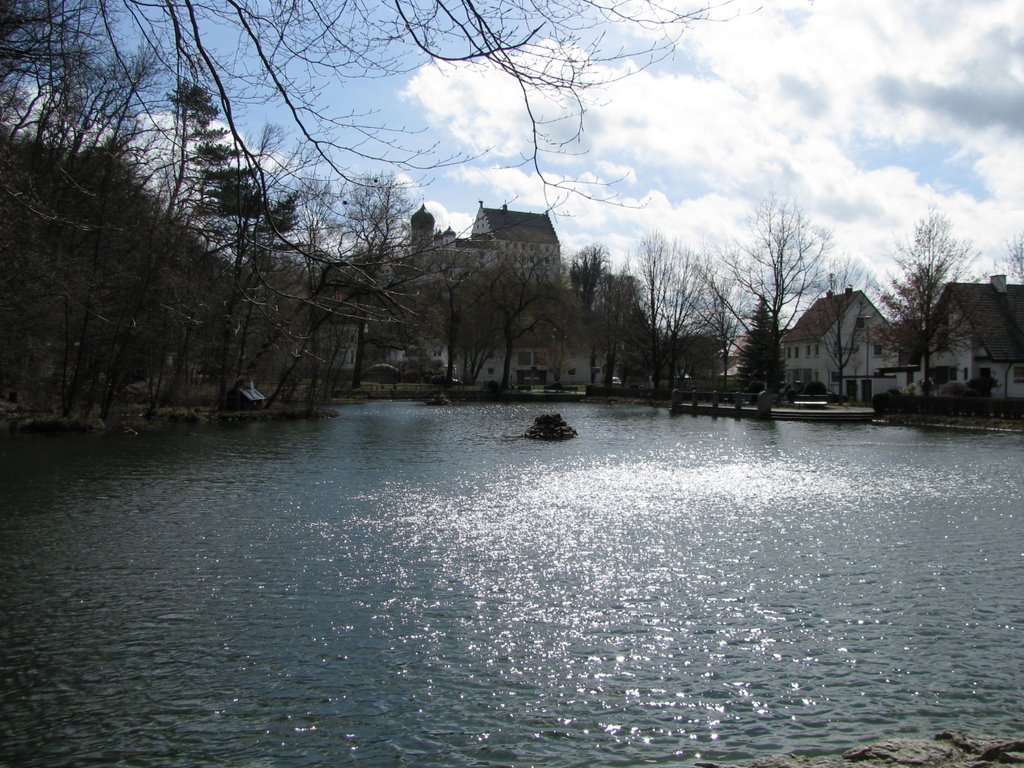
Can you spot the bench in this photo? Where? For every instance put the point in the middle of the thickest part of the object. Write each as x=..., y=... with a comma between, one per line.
x=810, y=403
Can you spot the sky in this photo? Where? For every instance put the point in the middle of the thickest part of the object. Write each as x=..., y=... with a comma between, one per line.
x=864, y=113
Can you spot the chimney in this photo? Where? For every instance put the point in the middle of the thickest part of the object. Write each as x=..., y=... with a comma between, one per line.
x=849, y=290
x=999, y=283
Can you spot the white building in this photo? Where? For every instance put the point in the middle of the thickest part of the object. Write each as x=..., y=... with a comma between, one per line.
x=993, y=337
x=836, y=341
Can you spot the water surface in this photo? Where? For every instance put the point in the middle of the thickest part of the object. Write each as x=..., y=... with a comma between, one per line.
x=407, y=585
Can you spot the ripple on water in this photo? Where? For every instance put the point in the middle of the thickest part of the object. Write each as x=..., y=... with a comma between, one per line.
x=656, y=589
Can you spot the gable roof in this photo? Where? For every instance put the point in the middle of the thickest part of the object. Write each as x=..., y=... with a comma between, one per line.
x=822, y=315
x=516, y=226
x=996, y=317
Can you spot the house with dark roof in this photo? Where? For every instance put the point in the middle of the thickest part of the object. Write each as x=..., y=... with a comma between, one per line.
x=836, y=341
x=993, y=345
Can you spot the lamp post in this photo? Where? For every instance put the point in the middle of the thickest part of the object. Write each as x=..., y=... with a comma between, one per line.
x=867, y=350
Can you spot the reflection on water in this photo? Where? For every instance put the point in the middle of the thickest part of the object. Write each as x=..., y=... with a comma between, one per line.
x=420, y=586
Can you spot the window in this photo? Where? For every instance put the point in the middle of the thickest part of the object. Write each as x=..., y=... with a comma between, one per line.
x=1018, y=374
x=789, y=352
x=796, y=352
x=878, y=351
x=808, y=350
x=816, y=350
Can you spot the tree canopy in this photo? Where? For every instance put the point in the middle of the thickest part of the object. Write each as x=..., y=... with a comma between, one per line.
x=931, y=258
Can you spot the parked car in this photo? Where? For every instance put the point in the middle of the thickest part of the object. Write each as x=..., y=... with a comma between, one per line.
x=616, y=381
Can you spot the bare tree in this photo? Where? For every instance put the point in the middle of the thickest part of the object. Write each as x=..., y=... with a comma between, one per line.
x=721, y=308
x=521, y=290
x=781, y=264
x=378, y=213
x=1015, y=257
x=667, y=275
x=919, y=325
x=844, y=315
x=288, y=54
x=586, y=272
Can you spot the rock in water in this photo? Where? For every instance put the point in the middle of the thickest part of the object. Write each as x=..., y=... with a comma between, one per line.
x=550, y=426
x=947, y=750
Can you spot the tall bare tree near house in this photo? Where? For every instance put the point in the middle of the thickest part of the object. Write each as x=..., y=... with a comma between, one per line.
x=448, y=294
x=721, y=308
x=378, y=211
x=667, y=276
x=586, y=271
x=521, y=291
x=919, y=325
x=781, y=264
x=1015, y=257
x=845, y=313
x=481, y=333
x=614, y=314
x=685, y=320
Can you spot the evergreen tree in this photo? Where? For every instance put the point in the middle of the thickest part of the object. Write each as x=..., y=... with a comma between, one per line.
x=760, y=362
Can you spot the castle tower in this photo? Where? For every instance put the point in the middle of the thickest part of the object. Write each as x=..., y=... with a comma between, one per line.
x=422, y=230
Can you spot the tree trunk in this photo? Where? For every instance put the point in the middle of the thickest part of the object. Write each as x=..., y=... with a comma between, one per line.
x=357, y=363
x=506, y=370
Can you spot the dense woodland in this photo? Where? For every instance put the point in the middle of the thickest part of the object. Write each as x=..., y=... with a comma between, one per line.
x=152, y=253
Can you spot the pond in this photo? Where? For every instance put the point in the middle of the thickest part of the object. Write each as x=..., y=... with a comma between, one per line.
x=413, y=585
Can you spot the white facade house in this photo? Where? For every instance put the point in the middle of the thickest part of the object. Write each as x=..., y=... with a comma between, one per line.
x=836, y=341
x=993, y=336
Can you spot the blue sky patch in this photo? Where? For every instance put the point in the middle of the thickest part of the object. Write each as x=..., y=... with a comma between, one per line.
x=935, y=163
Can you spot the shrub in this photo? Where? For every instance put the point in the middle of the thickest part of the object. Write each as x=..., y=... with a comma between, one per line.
x=755, y=387
x=880, y=402
x=953, y=389
x=983, y=385
x=815, y=389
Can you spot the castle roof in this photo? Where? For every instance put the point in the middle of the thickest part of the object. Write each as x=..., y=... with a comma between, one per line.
x=517, y=226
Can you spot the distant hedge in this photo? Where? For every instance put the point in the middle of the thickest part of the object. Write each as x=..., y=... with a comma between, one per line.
x=938, y=405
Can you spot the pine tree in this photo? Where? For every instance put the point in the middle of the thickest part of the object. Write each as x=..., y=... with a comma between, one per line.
x=760, y=363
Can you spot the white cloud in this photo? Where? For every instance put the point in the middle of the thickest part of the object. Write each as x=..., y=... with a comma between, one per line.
x=864, y=113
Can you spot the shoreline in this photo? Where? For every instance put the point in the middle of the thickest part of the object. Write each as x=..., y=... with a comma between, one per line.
x=949, y=749
x=133, y=423
x=24, y=422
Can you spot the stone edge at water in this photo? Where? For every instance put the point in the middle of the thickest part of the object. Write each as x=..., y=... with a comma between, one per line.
x=949, y=749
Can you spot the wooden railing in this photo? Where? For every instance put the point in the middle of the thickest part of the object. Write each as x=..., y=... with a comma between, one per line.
x=697, y=401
